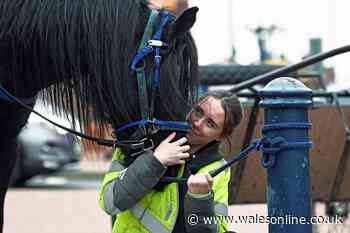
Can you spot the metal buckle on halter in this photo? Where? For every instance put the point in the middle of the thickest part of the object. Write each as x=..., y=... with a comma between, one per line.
x=152, y=127
x=145, y=147
x=156, y=43
x=148, y=129
x=130, y=144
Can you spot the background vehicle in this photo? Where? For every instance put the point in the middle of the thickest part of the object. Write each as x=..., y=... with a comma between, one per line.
x=44, y=148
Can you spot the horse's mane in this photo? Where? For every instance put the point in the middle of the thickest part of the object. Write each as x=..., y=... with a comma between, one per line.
x=80, y=52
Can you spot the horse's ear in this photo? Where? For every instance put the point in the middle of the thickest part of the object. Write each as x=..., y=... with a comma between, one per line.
x=185, y=21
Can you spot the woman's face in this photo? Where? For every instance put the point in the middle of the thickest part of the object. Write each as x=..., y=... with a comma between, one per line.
x=207, y=120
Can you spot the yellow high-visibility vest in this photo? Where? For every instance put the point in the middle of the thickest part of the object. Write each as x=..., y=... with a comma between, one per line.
x=158, y=210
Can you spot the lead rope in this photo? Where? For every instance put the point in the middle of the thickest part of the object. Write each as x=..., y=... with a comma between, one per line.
x=269, y=147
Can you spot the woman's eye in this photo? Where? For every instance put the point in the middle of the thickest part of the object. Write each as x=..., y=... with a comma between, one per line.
x=210, y=124
x=198, y=111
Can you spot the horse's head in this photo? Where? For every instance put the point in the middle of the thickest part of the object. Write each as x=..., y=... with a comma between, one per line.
x=82, y=53
x=176, y=90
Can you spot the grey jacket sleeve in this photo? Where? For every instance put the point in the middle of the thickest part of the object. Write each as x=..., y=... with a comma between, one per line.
x=136, y=181
x=195, y=209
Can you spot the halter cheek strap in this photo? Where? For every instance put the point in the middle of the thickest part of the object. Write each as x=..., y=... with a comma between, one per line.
x=138, y=65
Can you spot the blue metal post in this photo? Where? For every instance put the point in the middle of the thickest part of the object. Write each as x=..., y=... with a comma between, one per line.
x=286, y=102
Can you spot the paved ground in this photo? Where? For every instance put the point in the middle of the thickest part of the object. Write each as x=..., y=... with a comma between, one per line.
x=64, y=211
x=63, y=203
x=69, y=204
x=77, y=211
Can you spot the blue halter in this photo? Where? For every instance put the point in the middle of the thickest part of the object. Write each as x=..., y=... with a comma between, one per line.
x=148, y=45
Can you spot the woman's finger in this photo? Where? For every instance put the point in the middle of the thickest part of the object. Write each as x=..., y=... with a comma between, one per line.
x=181, y=141
x=184, y=155
x=170, y=137
x=184, y=148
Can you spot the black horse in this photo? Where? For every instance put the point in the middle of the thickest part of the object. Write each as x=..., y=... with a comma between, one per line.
x=77, y=53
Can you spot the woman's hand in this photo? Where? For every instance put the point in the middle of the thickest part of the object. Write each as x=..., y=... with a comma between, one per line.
x=200, y=183
x=172, y=153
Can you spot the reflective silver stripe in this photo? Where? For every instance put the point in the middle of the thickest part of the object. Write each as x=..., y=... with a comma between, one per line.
x=109, y=200
x=115, y=166
x=217, y=228
x=148, y=221
x=220, y=209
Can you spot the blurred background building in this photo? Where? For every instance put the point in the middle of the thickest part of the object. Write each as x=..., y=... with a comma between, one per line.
x=226, y=31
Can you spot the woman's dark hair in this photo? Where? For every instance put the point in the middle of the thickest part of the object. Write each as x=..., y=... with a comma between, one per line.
x=232, y=107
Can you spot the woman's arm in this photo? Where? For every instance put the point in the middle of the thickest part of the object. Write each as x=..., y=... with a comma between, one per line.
x=131, y=183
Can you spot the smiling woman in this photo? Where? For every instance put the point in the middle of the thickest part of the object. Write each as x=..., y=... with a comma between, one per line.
x=220, y=112
x=139, y=196
x=207, y=120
